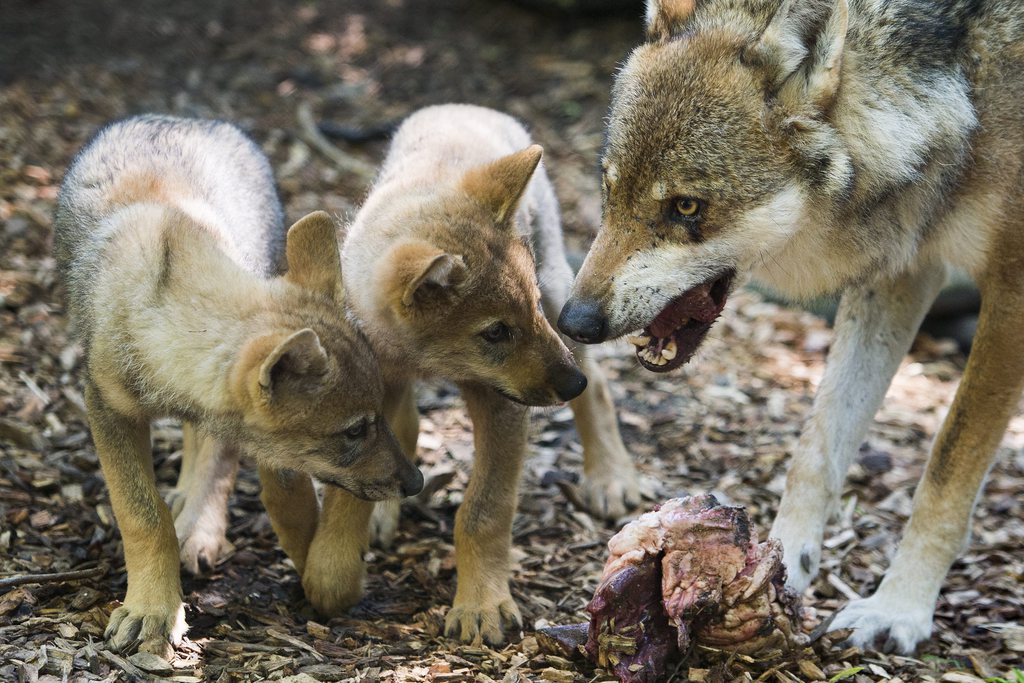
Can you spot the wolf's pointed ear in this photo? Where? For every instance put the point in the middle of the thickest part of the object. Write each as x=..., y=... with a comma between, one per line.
x=313, y=259
x=804, y=43
x=666, y=17
x=500, y=184
x=299, y=355
x=414, y=270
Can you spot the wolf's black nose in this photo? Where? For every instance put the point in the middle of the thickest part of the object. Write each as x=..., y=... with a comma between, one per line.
x=570, y=384
x=583, y=321
x=412, y=482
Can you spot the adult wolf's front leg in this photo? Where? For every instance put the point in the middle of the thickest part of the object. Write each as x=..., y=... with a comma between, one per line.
x=899, y=615
x=152, y=618
x=483, y=607
x=875, y=326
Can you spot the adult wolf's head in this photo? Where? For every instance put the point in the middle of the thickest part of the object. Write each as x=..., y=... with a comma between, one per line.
x=718, y=149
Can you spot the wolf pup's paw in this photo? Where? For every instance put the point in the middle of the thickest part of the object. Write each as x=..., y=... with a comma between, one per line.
x=487, y=621
x=610, y=495
x=384, y=523
x=884, y=624
x=176, y=499
x=202, y=540
x=156, y=629
x=333, y=577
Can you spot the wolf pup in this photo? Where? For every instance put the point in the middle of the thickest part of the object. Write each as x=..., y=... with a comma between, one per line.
x=164, y=231
x=827, y=146
x=442, y=266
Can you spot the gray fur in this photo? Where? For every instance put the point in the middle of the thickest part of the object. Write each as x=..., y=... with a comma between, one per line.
x=215, y=159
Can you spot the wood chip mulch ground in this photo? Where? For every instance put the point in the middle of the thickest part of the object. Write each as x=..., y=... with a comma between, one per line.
x=725, y=423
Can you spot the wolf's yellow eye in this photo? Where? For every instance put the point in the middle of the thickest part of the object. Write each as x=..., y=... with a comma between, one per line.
x=686, y=207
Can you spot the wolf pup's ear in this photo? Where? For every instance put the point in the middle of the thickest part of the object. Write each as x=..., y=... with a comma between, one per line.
x=298, y=356
x=803, y=45
x=415, y=270
x=313, y=258
x=667, y=17
x=500, y=184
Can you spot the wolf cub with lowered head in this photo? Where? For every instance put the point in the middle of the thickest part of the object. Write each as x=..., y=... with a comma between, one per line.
x=165, y=232
x=827, y=146
x=455, y=268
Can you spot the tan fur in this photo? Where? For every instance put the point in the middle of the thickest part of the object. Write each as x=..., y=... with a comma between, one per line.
x=292, y=497
x=443, y=249
x=838, y=147
x=500, y=184
x=173, y=325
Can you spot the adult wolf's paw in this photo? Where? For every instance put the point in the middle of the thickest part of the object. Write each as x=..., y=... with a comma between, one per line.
x=610, y=494
x=801, y=547
x=333, y=577
x=488, y=621
x=147, y=628
x=384, y=523
x=882, y=623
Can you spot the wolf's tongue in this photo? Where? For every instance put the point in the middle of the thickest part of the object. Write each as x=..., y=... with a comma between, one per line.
x=695, y=303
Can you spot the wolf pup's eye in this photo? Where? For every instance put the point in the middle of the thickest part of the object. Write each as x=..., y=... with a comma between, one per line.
x=358, y=430
x=496, y=332
x=686, y=208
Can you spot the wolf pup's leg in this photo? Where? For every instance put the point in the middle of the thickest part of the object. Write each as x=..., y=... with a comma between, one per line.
x=152, y=618
x=401, y=413
x=610, y=484
x=201, y=519
x=483, y=606
x=177, y=496
x=899, y=615
x=335, y=569
x=291, y=504
x=875, y=326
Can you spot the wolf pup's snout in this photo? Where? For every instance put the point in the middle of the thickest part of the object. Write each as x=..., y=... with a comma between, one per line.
x=412, y=480
x=569, y=382
x=583, y=320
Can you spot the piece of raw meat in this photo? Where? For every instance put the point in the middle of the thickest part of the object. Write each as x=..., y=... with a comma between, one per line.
x=689, y=572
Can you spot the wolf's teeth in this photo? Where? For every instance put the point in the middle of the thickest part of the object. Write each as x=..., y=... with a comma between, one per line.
x=669, y=352
x=639, y=340
x=651, y=357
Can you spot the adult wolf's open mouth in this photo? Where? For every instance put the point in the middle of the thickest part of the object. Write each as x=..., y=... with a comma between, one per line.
x=675, y=333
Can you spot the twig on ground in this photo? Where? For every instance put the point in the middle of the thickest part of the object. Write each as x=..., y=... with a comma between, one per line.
x=134, y=672
x=34, y=388
x=311, y=135
x=22, y=579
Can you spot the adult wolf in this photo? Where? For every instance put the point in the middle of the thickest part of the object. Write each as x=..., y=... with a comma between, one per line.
x=827, y=146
